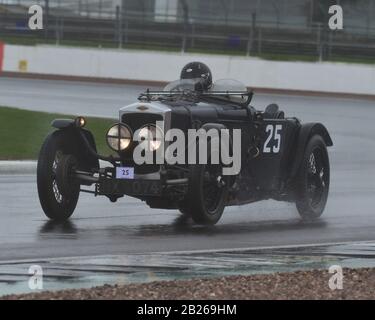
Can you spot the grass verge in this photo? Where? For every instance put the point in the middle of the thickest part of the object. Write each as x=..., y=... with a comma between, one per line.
x=22, y=132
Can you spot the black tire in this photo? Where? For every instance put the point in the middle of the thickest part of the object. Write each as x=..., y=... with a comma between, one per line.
x=206, y=196
x=56, y=205
x=313, y=178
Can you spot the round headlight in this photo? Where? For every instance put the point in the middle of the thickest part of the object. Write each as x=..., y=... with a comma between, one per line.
x=119, y=137
x=153, y=135
x=80, y=122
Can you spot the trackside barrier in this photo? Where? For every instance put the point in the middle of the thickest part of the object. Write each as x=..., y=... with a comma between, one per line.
x=165, y=66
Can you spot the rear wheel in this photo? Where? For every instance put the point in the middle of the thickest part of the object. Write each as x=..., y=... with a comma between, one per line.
x=312, y=183
x=58, y=193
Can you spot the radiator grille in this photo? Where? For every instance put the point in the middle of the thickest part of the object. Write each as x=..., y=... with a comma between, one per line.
x=135, y=121
x=138, y=120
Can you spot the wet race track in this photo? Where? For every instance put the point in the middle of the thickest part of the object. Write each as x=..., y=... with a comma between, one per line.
x=129, y=227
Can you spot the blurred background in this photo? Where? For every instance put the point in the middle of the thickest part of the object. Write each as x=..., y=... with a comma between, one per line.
x=270, y=29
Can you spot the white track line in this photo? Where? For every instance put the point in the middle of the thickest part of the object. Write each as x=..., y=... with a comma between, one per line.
x=323, y=244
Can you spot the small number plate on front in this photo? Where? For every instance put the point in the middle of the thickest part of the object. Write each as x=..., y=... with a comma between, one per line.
x=125, y=173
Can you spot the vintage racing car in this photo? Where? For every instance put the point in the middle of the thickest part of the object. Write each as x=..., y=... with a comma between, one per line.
x=281, y=158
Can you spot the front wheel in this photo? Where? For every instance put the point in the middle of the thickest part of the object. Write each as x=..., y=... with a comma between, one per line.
x=207, y=194
x=57, y=196
x=313, y=177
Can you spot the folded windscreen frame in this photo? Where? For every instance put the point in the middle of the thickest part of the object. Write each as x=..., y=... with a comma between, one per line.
x=223, y=85
x=182, y=85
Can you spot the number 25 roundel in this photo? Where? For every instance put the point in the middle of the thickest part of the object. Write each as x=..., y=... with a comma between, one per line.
x=273, y=141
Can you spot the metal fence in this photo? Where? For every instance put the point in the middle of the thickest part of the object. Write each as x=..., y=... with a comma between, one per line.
x=297, y=29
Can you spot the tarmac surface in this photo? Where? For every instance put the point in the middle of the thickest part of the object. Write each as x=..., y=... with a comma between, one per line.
x=129, y=227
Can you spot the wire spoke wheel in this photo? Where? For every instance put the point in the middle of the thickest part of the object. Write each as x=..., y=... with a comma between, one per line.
x=207, y=194
x=57, y=194
x=312, y=184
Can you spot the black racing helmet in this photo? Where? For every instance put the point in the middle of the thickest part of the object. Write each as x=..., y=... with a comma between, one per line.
x=194, y=70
